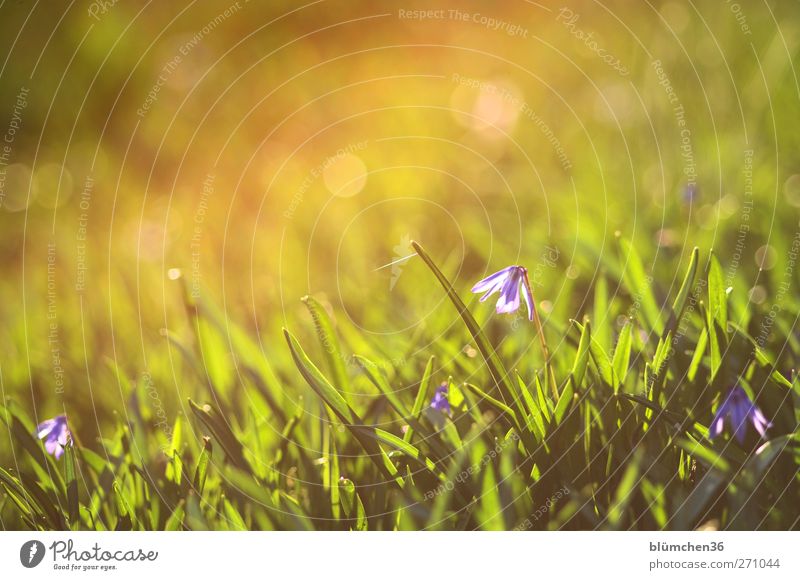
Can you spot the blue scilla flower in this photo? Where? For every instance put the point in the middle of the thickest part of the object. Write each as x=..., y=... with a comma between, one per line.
x=439, y=402
x=741, y=410
x=56, y=435
x=510, y=283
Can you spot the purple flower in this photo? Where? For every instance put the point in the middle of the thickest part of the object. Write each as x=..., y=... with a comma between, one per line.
x=56, y=435
x=508, y=282
x=439, y=401
x=740, y=409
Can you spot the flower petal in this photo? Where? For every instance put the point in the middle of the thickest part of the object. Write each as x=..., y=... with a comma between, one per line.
x=64, y=435
x=739, y=411
x=439, y=401
x=509, y=295
x=760, y=422
x=493, y=280
x=51, y=446
x=45, y=427
x=526, y=294
x=717, y=425
x=498, y=285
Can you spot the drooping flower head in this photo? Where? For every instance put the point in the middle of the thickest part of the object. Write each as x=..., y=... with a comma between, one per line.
x=741, y=410
x=439, y=402
x=509, y=282
x=56, y=435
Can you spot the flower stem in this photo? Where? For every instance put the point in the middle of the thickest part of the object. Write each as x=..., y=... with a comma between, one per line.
x=551, y=378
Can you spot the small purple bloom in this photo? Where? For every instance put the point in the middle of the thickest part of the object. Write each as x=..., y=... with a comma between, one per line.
x=56, y=435
x=439, y=401
x=740, y=409
x=508, y=282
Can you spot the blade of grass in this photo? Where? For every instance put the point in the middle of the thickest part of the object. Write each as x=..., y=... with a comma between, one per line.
x=564, y=401
x=640, y=285
x=624, y=492
x=222, y=433
x=601, y=314
x=421, y=399
x=622, y=356
x=70, y=476
x=581, y=356
x=600, y=358
x=330, y=345
x=351, y=504
x=717, y=296
x=505, y=410
x=317, y=381
x=377, y=379
x=499, y=374
x=535, y=415
x=679, y=305
x=201, y=471
x=408, y=450
x=175, y=521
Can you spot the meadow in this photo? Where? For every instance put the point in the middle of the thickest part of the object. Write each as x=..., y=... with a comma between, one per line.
x=243, y=246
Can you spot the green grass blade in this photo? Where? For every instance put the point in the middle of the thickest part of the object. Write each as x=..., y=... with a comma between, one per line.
x=71, y=479
x=710, y=458
x=408, y=450
x=126, y=517
x=422, y=398
x=601, y=314
x=221, y=431
x=333, y=474
x=376, y=377
x=564, y=401
x=330, y=344
x=622, y=356
x=697, y=356
x=504, y=409
x=499, y=374
x=624, y=492
x=535, y=417
x=235, y=520
x=544, y=402
x=317, y=381
x=489, y=511
x=600, y=358
x=679, y=305
x=581, y=356
x=47, y=470
x=24, y=500
x=717, y=296
x=640, y=285
x=175, y=521
x=351, y=504
x=201, y=471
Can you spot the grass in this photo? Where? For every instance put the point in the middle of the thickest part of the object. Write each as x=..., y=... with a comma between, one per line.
x=337, y=436
x=183, y=279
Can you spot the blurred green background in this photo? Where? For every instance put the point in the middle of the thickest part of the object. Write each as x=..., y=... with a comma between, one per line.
x=250, y=153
